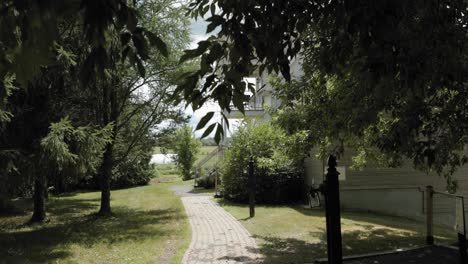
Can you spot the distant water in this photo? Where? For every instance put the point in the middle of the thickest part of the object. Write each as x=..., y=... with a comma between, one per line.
x=162, y=159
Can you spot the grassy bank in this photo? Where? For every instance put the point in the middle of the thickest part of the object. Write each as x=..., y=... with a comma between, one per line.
x=149, y=226
x=292, y=234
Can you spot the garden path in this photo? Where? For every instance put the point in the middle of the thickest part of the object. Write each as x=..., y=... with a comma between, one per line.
x=217, y=237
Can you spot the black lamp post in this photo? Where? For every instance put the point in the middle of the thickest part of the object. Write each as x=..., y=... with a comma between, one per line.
x=252, y=183
x=331, y=191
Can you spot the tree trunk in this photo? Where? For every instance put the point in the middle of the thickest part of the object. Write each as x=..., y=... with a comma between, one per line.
x=4, y=205
x=110, y=114
x=61, y=186
x=39, y=213
x=106, y=172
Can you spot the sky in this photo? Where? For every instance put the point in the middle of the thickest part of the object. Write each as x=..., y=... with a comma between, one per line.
x=198, y=33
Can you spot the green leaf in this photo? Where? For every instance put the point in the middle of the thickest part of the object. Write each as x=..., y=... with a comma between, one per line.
x=141, y=68
x=226, y=120
x=215, y=22
x=208, y=130
x=141, y=46
x=204, y=120
x=208, y=82
x=219, y=134
x=125, y=52
x=193, y=53
x=132, y=19
x=213, y=9
x=284, y=67
x=125, y=38
x=158, y=42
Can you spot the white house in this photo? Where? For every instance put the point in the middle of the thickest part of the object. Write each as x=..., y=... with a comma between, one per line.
x=394, y=191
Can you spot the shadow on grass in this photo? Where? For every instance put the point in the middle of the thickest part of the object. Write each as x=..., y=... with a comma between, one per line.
x=291, y=250
x=362, y=233
x=74, y=222
x=412, y=227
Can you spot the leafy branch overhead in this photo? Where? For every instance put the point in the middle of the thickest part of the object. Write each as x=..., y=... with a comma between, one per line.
x=244, y=46
x=210, y=128
x=40, y=24
x=395, y=62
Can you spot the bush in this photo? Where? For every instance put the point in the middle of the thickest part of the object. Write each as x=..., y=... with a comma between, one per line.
x=207, y=179
x=272, y=187
x=130, y=174
x=277, y=164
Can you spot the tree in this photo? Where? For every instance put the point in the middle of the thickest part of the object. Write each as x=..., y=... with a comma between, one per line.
x=84, y=75
x=128, y=92
x=36, y=152
x=390, y=73
x=147, y=114
x=38, y=26
x=186, y=148
x=69, y=151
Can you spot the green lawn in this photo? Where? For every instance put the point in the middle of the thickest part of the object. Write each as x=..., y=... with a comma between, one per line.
x=292, y=234
x=167, y=170
x=149, y=226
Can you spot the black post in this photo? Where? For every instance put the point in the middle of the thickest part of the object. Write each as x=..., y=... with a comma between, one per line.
x=252, y=183
x=332, y=209
x=429, y=215
x=462, y=235
x=462, y=248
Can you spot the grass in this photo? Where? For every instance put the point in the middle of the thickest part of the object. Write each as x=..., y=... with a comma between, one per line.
x=167, y=170
x=292, y=234
x=149, y=226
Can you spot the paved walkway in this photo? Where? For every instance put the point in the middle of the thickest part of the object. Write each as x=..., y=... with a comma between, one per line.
x=217, y=237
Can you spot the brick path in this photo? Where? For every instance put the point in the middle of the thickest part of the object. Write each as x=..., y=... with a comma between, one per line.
x=217, y=237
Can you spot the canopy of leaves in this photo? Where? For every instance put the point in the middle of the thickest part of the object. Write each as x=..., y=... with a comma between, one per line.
x=393, y=69
x=30, y=30
x=73, y=83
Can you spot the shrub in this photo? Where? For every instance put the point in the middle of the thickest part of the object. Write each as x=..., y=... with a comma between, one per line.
x=129, y=174
x=206, y=179
x=277, y=164
x=283, y=186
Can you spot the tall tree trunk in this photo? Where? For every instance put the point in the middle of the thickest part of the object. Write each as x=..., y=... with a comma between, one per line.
x=110, y=114
x=106, y=173
x=39, y=213
x=4, y=205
